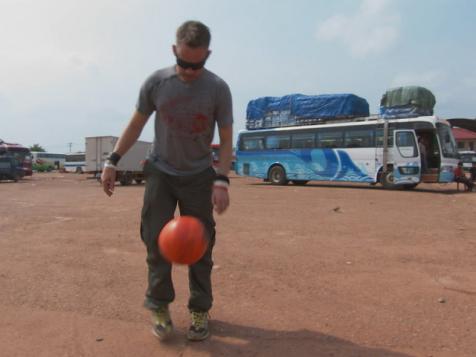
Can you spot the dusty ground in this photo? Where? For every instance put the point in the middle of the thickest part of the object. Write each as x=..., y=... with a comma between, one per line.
x=319, y=270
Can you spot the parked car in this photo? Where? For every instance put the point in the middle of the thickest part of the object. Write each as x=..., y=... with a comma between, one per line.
x=467, y=157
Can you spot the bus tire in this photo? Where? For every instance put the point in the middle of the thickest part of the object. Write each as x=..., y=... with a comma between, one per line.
x=387, y=179
x=410, y=186
x=138, y=181
x=277, y=175
x=79, y=170
x=299, y=182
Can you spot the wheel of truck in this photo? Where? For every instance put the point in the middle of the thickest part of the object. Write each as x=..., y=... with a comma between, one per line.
x=79, y=170
x=388, y=180
x=277, y=175
x=410, y=186
x=299, y=182
x=126, y=179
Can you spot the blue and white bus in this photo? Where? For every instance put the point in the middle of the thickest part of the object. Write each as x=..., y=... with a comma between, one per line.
x=369, y=149
x=75, y=162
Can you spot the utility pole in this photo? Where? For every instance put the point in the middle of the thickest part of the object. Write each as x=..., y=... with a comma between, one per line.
x=70, y=146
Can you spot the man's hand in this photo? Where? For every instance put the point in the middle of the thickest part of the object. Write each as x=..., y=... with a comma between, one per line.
x=108, y=180
x=220, y=199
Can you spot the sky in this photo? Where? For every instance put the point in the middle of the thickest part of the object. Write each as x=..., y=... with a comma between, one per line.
x=71, y=69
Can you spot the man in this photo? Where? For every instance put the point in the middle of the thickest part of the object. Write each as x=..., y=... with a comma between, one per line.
x=423, y=154
x=460, y=177
x=188, y=100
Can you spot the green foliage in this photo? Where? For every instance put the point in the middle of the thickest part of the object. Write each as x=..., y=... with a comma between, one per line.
x=42, y=167
x=37, y=147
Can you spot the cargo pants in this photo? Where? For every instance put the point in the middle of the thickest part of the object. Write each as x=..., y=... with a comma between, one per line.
x=193, y=195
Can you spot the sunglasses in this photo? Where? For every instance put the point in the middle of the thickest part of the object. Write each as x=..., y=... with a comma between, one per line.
x=192, y=65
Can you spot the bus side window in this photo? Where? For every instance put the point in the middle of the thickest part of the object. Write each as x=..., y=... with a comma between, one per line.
x=303, y=140
x=358, y=138
x=379, y=138
x=278, y=142
x=406, y=144
x=330, y=139
x=252, y=144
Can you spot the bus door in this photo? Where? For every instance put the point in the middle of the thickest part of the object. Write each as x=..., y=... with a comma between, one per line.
x=406, y=158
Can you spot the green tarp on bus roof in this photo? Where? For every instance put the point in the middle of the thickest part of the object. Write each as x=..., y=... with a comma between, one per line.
x=414, y=96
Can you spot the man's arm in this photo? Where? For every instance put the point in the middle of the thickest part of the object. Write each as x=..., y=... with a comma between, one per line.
x=226, y=149
x=125, y=142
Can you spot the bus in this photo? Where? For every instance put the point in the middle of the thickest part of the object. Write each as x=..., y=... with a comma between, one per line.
x=20, y=153
x=47, y=161
x=75, y=162
x=370, y=149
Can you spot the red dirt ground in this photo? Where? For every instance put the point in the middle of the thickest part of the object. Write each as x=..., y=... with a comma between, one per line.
x=318, y=270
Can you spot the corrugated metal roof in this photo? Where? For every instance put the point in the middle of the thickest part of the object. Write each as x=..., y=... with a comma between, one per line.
x=464, y=134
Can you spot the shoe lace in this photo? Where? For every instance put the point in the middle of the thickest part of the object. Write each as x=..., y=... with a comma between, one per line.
x=199, y=319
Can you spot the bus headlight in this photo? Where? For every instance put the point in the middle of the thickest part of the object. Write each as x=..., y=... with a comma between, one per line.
x=408, y=170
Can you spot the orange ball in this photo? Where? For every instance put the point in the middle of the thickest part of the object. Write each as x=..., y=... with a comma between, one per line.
x=183, y=241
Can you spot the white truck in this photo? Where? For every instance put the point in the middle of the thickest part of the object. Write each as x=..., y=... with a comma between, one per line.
x=129, y=168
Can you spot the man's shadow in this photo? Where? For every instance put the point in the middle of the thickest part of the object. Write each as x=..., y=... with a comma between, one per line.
x=234, y=340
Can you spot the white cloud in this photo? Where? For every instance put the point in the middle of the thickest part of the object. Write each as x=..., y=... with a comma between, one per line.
x=374, y=28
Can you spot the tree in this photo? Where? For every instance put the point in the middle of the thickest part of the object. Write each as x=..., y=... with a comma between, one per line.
x=37, y=147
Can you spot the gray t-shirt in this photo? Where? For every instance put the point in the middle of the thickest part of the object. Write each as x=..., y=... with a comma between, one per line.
x=185, y=118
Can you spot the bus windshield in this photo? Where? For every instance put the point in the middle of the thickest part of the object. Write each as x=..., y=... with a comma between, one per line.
x=21, y=154
x=448, y=143
x=75, y=157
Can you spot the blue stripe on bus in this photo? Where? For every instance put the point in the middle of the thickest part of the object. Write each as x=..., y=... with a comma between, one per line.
x=305, y=164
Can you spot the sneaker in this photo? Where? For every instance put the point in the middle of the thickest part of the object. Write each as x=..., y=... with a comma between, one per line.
x=198, y=330
x=162, y=323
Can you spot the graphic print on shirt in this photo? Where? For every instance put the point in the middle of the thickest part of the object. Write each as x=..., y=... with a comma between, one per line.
x=184, y=117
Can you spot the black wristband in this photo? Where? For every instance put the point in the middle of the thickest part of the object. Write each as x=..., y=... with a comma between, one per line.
x=224, y=178
x=114, y=158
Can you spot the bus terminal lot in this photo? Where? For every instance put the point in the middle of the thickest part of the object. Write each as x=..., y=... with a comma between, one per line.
x=315, y=270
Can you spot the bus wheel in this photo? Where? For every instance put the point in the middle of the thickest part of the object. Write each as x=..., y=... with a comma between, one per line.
x=79, y=170
x=388, y=180
x=299, y=182
x=138, y=181
x=410, y=186
x=277, y=176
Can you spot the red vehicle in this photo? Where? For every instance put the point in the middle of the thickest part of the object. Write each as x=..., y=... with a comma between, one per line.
x=215, y=155
x=20, y=153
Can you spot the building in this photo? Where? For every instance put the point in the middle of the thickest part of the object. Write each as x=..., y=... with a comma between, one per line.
x=465, y=139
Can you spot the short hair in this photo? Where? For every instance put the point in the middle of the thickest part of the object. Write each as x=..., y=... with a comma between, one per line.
x=194, y=34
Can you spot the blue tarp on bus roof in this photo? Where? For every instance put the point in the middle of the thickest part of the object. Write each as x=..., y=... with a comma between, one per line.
x=308, y=106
